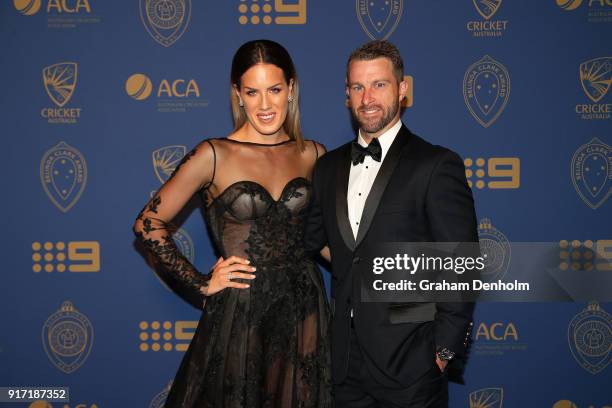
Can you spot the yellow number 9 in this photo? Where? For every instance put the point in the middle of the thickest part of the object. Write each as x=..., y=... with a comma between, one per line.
x=182, y=332
x=87, y=252
x=514, y=172
x=299, y=8
x=604, y=254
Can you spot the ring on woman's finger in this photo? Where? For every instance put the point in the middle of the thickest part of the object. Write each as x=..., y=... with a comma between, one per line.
x=229, y=276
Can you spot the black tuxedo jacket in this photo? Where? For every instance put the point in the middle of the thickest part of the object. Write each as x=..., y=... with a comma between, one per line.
x=420, y=194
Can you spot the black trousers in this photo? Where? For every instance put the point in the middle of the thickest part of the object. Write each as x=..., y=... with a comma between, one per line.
x=361, y=390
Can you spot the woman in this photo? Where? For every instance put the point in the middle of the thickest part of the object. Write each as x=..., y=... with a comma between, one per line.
x=262, y=340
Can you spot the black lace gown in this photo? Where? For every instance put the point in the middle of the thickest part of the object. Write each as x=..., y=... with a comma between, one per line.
x=265, y=346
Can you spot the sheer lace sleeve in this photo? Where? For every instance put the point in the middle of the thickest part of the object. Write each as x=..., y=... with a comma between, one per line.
x=154, y=229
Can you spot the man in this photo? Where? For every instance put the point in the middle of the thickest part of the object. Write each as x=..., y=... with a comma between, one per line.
x=388, y=186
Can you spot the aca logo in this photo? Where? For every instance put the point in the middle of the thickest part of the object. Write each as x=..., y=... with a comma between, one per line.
x=595, y=78
x=176, y=95
x=599, y=11
x=60, y=14
x=493, y=173
x=167, y=336
x=31, y=7
x=276, y=11
x=159, y=400
x=166, y=159
x=487, y=398
x=570, y=404
x=63, y=174
x=77, y=256
x=497, y=339
x=60, y=81
x=496, y=251
x=589, y=336
x=45, y=404
x=486, y=89
x=27, y=7
x=165, y=20
x=586, y=255
x=67, y=338
x=487, y=27
x=379, y=18
x=569, y=5
x=591, y=172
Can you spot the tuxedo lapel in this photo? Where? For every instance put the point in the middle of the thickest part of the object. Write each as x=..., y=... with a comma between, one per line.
x=342, y=177
x=380, y=182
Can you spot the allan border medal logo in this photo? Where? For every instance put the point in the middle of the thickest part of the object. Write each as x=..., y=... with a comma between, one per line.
x=165, y=20
x=592, y=172
x=487, y=398
x=166, y=159
x=589, y=335
x=67, y=338
x=495, y=248
x=183, y=241
x=486, y=89
x=63, y=174
x=379, y=18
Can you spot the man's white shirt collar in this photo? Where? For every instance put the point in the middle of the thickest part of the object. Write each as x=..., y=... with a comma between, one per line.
x=386, y=139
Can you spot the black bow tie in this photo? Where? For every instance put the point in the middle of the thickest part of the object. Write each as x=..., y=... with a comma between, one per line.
x=358, y=152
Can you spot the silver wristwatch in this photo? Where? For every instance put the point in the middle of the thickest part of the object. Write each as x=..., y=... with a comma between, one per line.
x=445, y=354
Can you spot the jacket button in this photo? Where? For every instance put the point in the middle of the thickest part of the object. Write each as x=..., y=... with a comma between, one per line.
x=356, y=260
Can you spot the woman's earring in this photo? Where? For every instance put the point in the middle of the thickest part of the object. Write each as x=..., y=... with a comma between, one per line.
x=290, y=99
x=240, y=103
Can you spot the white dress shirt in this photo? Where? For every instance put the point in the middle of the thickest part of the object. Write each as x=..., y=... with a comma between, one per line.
x=361, y=176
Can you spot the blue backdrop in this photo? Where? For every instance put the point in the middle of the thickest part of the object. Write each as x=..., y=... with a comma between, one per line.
x=104, y=97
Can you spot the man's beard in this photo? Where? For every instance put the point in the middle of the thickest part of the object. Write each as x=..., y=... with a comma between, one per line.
x=373, y=127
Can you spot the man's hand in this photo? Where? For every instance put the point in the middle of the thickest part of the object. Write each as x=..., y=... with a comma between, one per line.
x=441, y=364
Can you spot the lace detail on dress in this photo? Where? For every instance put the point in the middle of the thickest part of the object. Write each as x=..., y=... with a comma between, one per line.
x=155, y=233
x=266, y=346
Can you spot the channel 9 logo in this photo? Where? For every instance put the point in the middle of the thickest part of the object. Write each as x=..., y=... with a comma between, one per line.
x=586, y=255
x=166, y=336
x=76, y=256
x=276, y=11
x=493, y=173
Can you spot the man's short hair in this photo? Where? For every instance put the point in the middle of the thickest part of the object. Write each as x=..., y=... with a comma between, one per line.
x=378, y=49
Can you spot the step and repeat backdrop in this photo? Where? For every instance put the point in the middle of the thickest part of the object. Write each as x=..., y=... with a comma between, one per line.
x=104, y=97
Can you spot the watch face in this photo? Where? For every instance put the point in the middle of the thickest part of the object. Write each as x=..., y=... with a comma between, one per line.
x=445, y=354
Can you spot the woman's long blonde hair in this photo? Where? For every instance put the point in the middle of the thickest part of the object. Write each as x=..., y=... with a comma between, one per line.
x=266, y=52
